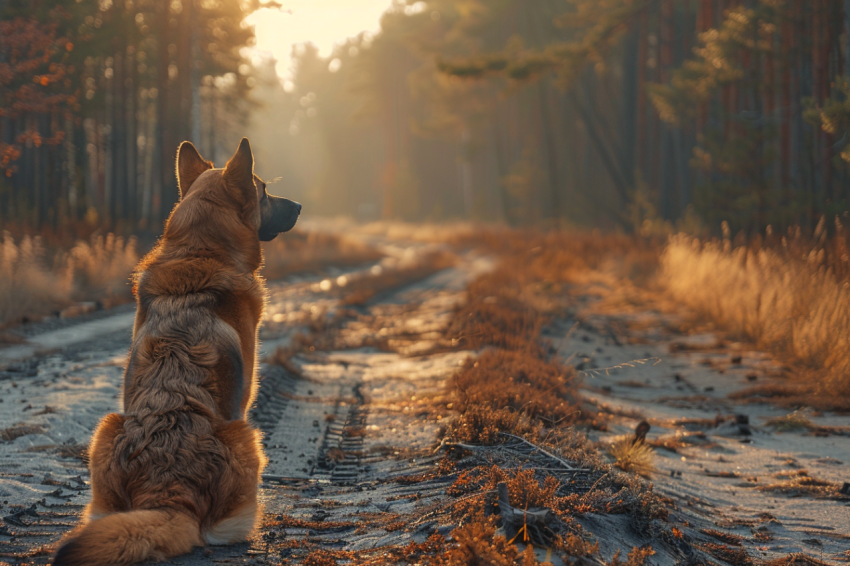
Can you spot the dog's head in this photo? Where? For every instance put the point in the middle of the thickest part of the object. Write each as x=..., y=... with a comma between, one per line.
x=232, y=199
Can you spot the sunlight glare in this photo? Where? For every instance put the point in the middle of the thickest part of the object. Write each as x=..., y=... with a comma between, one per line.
x=321, y=22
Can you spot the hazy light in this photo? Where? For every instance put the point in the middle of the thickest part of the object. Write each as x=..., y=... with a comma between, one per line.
x=321, y=22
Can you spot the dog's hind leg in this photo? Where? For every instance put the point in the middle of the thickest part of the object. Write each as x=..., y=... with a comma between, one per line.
x=104, y=499
x=247, y=461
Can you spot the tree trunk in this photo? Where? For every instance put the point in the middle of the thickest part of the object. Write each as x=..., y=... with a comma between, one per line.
x=163, y=189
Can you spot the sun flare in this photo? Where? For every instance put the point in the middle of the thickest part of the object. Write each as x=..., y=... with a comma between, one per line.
x=321, y=22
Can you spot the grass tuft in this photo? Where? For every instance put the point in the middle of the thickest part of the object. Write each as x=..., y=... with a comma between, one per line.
x=630, y=456
x=797, y=483
x=792, y=422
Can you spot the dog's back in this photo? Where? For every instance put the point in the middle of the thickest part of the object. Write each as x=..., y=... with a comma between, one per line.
x=181, y=466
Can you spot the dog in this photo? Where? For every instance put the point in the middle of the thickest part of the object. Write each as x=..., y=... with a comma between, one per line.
x=181, y=466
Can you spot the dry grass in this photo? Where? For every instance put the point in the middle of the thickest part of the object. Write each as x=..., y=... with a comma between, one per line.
x=787, y=295
x=630, y=456
x=798, y=483
x=733, y=555
x=518, y=386
x=481, y=425
x=100, y=268
x=504, y=313
x=796, y=559
x=792, y=422
x=519, y=381
x=512, y=386
x=300, y=251
x=13, y=432
x=359, y=291
x=35, y=282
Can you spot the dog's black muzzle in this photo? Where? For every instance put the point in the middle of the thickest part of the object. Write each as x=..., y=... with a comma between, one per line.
x=277, y=215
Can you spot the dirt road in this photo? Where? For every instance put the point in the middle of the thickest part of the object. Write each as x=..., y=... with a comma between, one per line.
x=317, y=426
x=726, y=468
x=347, y=438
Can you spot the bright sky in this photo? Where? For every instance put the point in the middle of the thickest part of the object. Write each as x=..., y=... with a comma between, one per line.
x=321, y=22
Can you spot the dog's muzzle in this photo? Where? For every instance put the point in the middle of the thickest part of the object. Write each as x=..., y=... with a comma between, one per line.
x=277, y=215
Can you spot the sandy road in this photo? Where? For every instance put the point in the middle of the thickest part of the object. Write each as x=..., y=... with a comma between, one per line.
x=334, y=435
x=344, y=436
x=720, y=475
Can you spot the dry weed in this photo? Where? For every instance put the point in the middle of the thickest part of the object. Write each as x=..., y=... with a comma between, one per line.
x=733, y=555
x=477, y=543
x=13, y=432
x=632, y=456
x=792, y=422
x=521, y=381
x=492, y=320
x=797, y=483
x=481, y=425
x=637, y=557
x=525, y=489
x=796, y=559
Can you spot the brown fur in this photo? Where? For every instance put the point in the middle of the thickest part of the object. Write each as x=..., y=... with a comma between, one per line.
x=181, y=465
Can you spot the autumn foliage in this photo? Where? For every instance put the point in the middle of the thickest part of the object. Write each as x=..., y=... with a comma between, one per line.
x=35, y=79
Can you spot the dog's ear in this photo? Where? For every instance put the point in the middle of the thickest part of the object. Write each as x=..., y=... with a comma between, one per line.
x=190, y=165
x=239, y=174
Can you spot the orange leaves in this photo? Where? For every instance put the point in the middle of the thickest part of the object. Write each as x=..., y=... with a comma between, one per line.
x=30, y=137
x=8, y=155
x=34, y=73
x=34, y=79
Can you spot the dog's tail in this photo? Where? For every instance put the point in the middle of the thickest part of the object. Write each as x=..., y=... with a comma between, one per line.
x=126, y=538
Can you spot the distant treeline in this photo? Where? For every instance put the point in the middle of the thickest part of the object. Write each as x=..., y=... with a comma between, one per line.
x=95, y=95
x=631, y=113
x=621, y=113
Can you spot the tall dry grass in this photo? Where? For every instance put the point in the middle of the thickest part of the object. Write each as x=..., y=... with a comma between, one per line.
x=26, y=283
x=35, y=281
x=789, y=295
x=304, y=251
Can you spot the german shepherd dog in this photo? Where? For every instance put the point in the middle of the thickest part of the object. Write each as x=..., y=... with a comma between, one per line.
x=180, y=467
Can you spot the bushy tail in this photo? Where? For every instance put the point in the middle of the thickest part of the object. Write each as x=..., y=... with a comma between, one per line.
x=126, y=538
